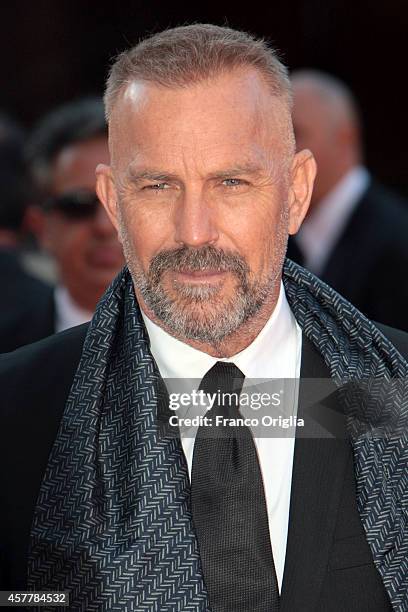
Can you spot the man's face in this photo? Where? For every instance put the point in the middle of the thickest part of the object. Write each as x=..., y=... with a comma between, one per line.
x=86, y=249
x=200, y=192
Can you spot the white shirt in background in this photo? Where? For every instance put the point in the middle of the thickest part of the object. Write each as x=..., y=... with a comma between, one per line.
x=67, y=312
x=320, y=231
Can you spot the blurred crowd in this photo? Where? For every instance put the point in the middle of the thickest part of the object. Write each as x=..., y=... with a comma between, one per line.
x=54, y=281
x=59, y=251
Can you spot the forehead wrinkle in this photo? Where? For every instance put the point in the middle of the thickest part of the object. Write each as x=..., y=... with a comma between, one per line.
x=267, y=144
x=148, y=174
x=257, y=162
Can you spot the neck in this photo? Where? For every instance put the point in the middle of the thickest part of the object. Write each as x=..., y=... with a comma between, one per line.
x=324, y=187
x=232, y=344
x=83, y=298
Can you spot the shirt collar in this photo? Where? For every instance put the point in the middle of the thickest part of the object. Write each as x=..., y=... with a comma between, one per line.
x=273, y=353
x=68, y=313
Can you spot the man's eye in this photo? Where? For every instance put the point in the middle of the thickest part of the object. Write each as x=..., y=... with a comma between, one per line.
x=232, y=182
x=157, y=186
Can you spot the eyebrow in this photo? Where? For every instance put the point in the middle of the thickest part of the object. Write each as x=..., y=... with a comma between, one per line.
x=151, y=174
x=251, y=169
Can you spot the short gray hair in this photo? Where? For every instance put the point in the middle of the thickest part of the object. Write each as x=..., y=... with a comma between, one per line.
x=184, y=55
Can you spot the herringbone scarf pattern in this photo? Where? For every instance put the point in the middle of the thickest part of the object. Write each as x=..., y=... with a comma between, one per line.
x=355, y=350
x=113, y=522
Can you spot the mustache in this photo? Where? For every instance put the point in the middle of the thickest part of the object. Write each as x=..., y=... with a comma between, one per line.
x=193, y=260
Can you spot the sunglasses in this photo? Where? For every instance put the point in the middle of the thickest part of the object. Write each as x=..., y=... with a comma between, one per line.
x=74, y=205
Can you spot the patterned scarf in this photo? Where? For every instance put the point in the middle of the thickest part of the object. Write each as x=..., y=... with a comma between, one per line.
x=113, y=523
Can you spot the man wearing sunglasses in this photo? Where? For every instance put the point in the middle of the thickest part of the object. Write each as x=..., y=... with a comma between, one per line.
x=71, y=224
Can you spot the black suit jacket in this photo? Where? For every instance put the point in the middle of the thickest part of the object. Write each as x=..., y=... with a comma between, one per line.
x=369, y=263
x=27, y=309
x=328, y=567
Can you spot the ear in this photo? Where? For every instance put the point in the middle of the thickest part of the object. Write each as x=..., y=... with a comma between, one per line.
x=106, y=192
x=300, y=191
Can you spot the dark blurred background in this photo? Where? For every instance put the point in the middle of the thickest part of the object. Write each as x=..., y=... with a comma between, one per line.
x=53, y=51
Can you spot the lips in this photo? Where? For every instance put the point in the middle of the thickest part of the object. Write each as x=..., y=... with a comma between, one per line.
x=201, y=273
x=199, y=276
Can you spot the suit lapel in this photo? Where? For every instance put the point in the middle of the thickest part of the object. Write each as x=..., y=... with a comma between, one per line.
x=318, y=473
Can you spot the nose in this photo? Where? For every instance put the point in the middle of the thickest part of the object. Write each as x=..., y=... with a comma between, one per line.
x=101, y=223
x=195, y=219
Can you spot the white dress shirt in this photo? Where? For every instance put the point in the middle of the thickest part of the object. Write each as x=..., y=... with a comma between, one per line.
x=275, y=353
x=67, y=312
x=322, y=229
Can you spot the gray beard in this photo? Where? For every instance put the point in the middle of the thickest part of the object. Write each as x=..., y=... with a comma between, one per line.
x=198, y=312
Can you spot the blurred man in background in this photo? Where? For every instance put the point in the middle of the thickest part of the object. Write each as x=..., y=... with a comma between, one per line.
x=25, y=300
x=355, y=234
x=70, y=223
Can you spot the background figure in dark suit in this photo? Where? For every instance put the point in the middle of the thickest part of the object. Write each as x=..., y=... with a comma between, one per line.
x=355, y=234
x=62, y=154
x=25, y=301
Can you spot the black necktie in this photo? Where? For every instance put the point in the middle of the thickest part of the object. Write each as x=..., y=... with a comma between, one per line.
x=229, y=508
